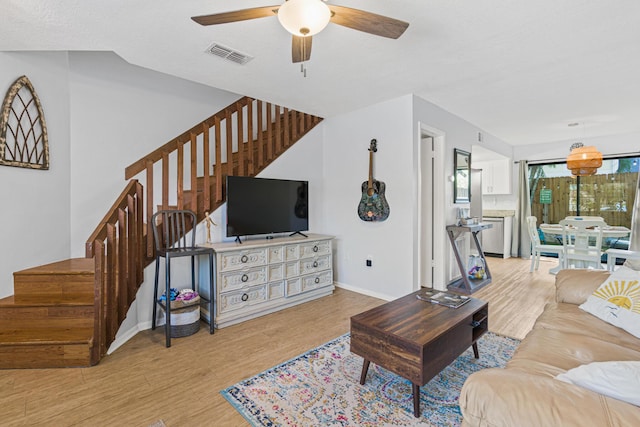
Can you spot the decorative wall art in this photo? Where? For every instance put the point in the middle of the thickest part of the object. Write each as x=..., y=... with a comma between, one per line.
x=23, y=131
x=373, y=204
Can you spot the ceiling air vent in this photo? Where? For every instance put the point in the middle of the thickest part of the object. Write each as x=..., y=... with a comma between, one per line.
x=229, y=54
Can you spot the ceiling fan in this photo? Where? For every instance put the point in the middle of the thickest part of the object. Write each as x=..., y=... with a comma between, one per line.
x=305, y=18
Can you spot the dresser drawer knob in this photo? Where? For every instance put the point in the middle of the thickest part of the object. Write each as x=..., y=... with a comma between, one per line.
x=317, y=280
x=315, y=248
x=244, y=278
x=244, y=259
x=315, y=264
x=244, y=297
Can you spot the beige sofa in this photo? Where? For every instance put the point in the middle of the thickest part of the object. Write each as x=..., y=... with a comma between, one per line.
x=526, y=393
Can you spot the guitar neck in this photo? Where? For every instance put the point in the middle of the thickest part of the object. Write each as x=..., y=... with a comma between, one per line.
x=370, y=184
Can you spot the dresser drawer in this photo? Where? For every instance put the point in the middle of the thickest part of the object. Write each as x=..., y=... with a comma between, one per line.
x=276, y=272
x=314, y=249
x=276, y=290
x=232, y=280
x=313, y=265
x=317, y=280
x=276, y=254
x=239, y=299
x=307, y=250
x=309, y=282
x=292, y=269
x=242, y=259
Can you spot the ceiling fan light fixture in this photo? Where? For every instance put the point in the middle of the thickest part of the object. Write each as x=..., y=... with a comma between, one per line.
x=304, y=17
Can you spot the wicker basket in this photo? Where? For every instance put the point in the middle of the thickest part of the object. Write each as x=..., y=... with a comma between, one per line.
x=185, y=319
x=178, y=331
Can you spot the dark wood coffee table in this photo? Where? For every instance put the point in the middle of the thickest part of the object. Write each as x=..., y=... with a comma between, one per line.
x=417, y=339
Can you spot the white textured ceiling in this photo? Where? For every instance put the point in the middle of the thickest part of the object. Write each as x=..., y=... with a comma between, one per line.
x=521, y=70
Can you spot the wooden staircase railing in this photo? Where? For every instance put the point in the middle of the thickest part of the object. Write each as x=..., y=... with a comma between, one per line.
x=118, y=250
x=241, y=139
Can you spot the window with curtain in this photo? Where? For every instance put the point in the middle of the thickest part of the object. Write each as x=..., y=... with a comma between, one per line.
x=610, y=194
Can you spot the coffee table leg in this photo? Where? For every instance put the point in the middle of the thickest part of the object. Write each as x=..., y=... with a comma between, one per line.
x=475, y=350
x=416, y=400
x=365, y=368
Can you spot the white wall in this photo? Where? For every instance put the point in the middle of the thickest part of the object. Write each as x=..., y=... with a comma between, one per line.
x=392, y=244
x=34, y=220
x=346, y=166
x=558, y=150
x=119, y=113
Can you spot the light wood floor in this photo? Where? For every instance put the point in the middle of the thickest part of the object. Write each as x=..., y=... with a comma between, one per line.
x=143, y=381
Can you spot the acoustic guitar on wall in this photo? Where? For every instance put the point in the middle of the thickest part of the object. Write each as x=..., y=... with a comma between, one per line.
x=373, y=204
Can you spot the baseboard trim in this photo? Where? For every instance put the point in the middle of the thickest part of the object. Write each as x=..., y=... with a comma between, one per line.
x=125, y=336
x=364, y=291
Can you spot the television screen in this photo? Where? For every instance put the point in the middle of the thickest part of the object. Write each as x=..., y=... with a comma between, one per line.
x=264, y=206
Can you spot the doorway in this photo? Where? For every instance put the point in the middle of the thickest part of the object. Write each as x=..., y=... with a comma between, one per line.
x=430, y=259
x=426, y=210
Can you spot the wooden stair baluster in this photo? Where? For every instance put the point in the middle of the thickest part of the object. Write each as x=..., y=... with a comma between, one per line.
x=218, y=167
x=206, y=170
x=260, y=135
x=180, y=175
x=251, y=156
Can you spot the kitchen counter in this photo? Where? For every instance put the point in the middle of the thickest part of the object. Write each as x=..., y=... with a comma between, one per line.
x=498, y=213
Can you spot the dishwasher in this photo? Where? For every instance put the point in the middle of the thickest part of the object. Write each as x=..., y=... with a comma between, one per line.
x=493, y=238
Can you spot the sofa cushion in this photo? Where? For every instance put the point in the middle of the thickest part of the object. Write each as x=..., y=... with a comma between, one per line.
x=620, y=380
x=507, y=398
x=617, y=301
x=549, y=352
x=575, y=286
x=571, y=319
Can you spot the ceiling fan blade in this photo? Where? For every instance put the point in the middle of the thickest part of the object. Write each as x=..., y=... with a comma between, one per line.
x=238, y=15
x=300, y=49
x=367, y=22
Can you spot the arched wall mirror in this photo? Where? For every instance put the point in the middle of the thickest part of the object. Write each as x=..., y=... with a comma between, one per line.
x=462, y=176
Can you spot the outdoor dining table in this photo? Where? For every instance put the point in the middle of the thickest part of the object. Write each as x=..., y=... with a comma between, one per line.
x=608, y=231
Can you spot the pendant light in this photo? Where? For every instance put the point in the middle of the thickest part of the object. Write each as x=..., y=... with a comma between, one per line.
x=583, y=161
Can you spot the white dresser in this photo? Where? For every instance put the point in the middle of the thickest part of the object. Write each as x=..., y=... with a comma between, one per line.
x=261, y=276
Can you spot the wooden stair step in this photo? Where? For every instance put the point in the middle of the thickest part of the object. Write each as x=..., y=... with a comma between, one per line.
x=69, y=280
x=45, y=347
x=44, y=334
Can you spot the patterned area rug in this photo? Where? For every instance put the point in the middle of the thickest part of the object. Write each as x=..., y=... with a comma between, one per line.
x=322, y=388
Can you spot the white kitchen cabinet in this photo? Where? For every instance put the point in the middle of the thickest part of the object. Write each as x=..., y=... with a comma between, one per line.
x=496, y=176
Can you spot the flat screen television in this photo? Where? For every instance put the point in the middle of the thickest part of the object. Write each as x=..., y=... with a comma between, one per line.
x=266, y=206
